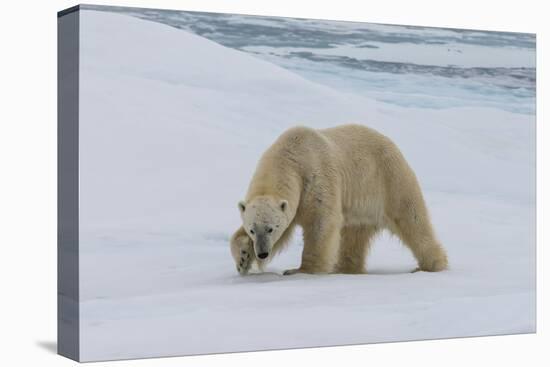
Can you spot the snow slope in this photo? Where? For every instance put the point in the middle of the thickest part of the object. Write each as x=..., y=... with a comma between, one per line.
x=171, y=127
x=402, y=65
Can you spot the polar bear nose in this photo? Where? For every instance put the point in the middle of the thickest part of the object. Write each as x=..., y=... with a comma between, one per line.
x=263, y=255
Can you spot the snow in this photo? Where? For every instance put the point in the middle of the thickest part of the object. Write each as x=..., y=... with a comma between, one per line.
x=171, y=127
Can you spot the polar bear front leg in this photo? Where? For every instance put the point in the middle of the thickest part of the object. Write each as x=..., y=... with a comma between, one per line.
x=321, y=247
x=242, y=251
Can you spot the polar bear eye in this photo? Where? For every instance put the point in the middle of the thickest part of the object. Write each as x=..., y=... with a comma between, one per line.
x=269, y=230
x=252, y=231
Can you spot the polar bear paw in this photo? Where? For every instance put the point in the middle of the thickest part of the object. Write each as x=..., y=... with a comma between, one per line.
x=244, y=263
x=243, y=253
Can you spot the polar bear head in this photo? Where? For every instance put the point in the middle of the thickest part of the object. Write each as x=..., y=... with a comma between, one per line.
x=264, y=219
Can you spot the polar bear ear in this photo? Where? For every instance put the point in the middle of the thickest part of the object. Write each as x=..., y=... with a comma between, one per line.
x=242, y=206
x=283, y=204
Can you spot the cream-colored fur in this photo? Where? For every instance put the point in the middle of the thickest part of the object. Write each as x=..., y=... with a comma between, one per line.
x=342, y=185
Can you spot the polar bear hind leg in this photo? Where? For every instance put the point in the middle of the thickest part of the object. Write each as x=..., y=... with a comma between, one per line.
x=419, y=237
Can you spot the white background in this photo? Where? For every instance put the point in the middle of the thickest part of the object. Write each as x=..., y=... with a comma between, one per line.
x=28, y=181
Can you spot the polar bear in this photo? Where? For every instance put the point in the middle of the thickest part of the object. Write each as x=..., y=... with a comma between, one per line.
x=342, y=185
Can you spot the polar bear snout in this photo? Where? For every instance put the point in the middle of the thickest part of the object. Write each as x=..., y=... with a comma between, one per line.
x=261, y=246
